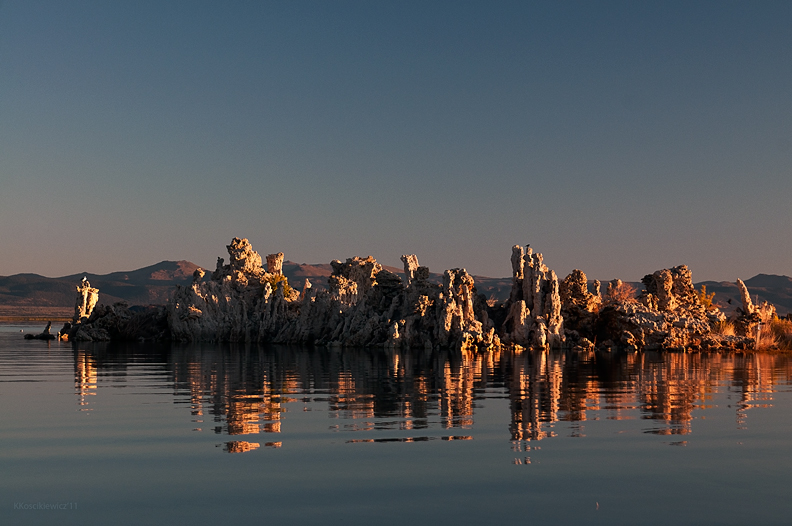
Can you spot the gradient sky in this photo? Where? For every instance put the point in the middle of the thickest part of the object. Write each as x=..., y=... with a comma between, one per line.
x=614, y=137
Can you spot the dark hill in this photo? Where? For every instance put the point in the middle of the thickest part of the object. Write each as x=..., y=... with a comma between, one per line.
x=148, y=285
x=769, y=281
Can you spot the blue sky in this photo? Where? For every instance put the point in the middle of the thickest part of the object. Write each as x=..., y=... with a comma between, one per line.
x=614, y=137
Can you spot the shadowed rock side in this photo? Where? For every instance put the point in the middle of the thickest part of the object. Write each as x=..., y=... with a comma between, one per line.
x=44, y=335
x=367, y=305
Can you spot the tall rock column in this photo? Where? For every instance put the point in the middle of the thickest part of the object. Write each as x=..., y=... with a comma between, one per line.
x=754, y=316
x=534, y=312
x=518, y=273
x=458, y=324
x=275, y=263
x=410, y=266
x=86, y=300
x=552, y=310
x=748, y=306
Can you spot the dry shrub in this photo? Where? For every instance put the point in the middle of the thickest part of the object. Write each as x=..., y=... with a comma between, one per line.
x=274, y=279
x=706, y=299
x=622, y=293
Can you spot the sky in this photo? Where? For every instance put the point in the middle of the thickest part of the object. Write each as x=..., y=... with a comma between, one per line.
x=615, y=137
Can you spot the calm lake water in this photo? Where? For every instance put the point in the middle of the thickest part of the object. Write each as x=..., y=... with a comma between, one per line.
x=136, y=434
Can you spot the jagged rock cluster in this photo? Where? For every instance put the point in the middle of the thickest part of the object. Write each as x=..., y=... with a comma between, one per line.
x=364, y=305
x=667, y=314
x=367, y=305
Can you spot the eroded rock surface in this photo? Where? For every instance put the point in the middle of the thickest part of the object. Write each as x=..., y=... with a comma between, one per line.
x=579, y=307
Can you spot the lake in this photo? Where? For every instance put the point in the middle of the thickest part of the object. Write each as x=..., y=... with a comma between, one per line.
x=195, y=434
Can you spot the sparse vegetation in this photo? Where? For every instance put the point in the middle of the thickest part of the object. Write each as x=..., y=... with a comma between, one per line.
x=706, y=299
x=274, y=279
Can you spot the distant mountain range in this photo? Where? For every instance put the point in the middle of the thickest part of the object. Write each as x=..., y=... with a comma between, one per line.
x=26, y=294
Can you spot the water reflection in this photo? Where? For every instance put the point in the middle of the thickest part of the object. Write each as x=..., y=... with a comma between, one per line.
x=84, y=378
x=248, y=390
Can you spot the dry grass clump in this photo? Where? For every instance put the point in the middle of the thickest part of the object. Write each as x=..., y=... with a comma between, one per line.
x=782, y=332
x=766, y=340
x=776, y=335
x=723, y=328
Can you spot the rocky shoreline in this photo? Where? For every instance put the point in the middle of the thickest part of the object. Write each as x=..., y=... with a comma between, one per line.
x=366, y=305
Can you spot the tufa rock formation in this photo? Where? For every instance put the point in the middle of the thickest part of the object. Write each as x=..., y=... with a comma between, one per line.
x=366, y=305
x=666, y=315
x=44, y=335
x=116, y=322
x=750, y=318
x=579, y=307
x=534, y=307
x=86, y=300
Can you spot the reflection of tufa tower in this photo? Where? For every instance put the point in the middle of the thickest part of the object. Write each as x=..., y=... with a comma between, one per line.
x=86, y=301
x=85, y=377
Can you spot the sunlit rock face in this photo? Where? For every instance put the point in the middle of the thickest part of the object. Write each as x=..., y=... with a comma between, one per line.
x=534, y=308
x=410, y=266
x=87, y=297
x=748, y=319
x=275, y=263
